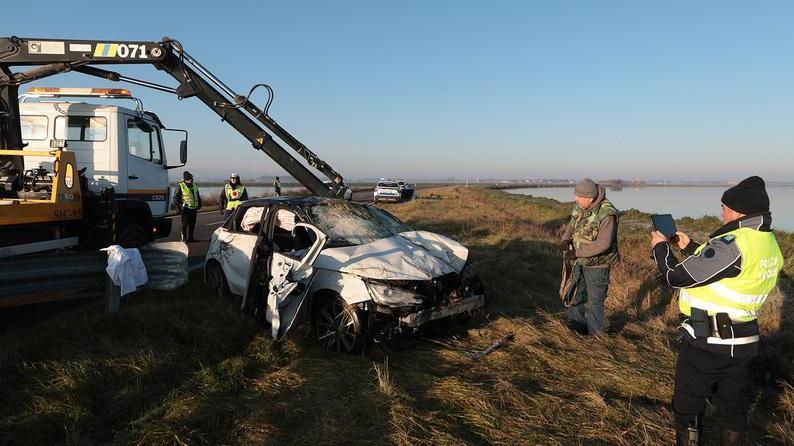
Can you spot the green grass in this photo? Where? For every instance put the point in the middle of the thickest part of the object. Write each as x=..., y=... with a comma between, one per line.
x=184, y=368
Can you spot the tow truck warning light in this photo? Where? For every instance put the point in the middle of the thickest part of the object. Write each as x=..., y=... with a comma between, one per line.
x=77, y=92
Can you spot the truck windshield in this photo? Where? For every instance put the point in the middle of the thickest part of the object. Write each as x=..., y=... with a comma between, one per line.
x=349, y=224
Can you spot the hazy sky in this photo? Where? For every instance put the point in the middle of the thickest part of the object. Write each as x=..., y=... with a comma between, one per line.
x=428, y=89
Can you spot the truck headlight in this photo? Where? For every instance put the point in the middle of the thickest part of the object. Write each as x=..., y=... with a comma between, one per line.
x=385, y=294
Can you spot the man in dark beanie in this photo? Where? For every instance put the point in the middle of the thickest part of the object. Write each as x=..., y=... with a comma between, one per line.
x=590, y=248
x=724, y=283
x=188, y=202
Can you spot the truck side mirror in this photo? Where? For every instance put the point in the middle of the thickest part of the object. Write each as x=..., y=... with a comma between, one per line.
x=183, y=151
x=182, y=147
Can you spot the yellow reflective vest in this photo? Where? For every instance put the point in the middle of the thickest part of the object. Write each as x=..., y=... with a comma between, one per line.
x=189, y=195
x=233, y=196
x=744, y=295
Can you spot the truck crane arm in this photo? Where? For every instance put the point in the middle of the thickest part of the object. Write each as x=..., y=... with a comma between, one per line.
x=51, y=56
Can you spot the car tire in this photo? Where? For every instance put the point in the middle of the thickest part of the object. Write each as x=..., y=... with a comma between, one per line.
x=338, y=326
x=132, y=236
x=216, y=280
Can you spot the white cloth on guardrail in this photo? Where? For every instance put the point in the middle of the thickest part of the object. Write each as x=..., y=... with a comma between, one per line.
x=126, y=268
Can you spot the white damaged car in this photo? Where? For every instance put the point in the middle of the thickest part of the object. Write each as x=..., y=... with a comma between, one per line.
x=354, y=271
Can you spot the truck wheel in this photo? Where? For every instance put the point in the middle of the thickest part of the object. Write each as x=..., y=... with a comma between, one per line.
x=337, y=326
x=132, y=236
x=216, y=280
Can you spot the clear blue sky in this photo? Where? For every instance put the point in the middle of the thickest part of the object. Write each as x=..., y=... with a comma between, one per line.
x=677, y=90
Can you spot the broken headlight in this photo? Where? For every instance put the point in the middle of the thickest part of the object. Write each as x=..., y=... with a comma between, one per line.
x=388, y=295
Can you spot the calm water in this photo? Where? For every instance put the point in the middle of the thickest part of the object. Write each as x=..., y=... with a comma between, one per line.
x=679, y=201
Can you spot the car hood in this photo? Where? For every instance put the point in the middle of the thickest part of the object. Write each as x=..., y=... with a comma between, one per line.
x=412, y=255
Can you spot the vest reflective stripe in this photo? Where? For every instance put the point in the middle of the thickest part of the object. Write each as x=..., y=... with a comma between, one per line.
x=686, y=301
x=742, y=296
x=233, y=196
x=189, y=195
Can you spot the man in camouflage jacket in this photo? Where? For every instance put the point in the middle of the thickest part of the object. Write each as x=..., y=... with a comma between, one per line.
x=590, y=241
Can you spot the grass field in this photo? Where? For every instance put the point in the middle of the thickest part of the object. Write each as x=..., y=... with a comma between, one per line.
x=183, y=368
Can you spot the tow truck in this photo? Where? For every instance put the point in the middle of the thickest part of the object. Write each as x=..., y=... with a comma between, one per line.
x=52, y=196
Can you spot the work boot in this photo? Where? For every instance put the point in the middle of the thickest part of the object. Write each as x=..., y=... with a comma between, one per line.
x=731, y=438
x=689, y=437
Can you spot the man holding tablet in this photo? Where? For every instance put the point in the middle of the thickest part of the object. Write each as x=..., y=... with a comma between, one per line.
x=724, y=282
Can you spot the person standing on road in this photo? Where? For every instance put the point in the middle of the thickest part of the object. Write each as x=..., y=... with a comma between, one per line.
x=723, y=285
x=277, y=187
x=590, y=242
x=188, y=202
x=233, y=193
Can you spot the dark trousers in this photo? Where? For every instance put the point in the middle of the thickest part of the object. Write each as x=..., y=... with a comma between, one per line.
x=188, y=223
x=587, y=306
x=700, y=375
x=227, y=213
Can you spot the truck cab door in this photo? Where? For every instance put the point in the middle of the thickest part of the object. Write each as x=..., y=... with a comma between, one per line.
x=291, y=276
x=147, y=177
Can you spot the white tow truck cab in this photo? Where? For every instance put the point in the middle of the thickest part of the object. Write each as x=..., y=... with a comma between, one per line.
x=119, y=148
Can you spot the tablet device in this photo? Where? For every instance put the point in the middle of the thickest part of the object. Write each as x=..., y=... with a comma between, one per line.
x=664, y=223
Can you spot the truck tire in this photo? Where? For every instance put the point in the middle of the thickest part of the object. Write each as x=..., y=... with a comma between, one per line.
x=132, y=236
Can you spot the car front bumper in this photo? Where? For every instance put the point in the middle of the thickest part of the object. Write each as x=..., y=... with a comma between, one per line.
x=422, y=317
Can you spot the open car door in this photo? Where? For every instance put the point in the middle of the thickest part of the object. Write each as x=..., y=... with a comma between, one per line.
x=235, y=249
x=291, y=278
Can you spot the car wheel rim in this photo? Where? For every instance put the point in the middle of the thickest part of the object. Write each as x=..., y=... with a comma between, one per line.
x=336, y=328
x=216, y=281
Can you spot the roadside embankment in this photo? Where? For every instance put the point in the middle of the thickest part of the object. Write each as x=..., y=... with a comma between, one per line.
x=185, y=368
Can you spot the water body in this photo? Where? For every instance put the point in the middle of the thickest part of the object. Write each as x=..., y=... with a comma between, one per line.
x=679, y=201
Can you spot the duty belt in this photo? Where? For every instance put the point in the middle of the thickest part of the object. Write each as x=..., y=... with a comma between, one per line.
x=715, y=336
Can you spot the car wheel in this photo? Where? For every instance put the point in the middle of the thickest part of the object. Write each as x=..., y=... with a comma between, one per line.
x=337, y=326
x=132, y=236
x=216, y=280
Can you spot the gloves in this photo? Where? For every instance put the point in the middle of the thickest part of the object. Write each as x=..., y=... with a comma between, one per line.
x=568, y=252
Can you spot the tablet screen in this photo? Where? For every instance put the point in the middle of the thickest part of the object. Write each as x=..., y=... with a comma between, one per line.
x=664, y=223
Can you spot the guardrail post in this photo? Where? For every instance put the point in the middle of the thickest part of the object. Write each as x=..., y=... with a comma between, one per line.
x=113, y=294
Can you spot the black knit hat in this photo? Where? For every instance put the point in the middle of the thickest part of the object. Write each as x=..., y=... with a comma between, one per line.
x=187, y=175
x=747, y=197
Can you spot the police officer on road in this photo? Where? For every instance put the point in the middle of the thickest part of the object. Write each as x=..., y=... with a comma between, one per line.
x=188, y=202
x=233, y=193
x=724, y=282
x=591, y=243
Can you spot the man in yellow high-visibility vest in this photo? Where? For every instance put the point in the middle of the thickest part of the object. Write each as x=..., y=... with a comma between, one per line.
x=723, y=284
x=233, y=193
x=188, y=202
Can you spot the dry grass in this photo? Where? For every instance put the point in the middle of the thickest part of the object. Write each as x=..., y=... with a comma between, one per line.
x=185, y=369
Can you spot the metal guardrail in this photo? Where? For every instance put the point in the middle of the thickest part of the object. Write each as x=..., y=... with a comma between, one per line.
x=73, y=275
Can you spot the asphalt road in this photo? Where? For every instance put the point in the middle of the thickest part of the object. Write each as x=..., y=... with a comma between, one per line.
x=208, y=222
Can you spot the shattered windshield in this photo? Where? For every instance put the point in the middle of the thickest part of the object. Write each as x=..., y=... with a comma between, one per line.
x=348, y=224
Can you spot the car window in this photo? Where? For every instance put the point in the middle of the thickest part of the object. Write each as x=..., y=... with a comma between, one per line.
x=288, y=239
x=387, y=184
x=348, y=224
x=251, y=219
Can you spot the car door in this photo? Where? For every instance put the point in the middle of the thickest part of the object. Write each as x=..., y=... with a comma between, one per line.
x=291, y=275
x=237, y=241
